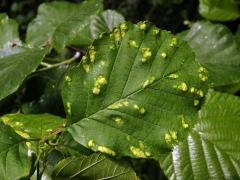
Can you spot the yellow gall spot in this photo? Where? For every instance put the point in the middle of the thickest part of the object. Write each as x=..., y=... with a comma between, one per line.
x=193, y=90
x=91, y=143
x=196, y=102
x=28, y=144
x=125, y=103
x=173, y=42
x=5, y=119
x=84, y=59
x=142, y=110
x=123, y=27
x=49, y=130
x=173, y=76
x=117, y=34
x=168, y=138
x=92, y=53
x=101, y=80
x=118, y=120
x=69, y=109
x=132, y=43
x=184, y=124
x=116, y=105
x=202, y=69
x=96, y=90
x=171, y=137
x=18, y=123
x=146, y=54
x=156, y=31
x=203, y=78
x=86, y=67
x=200, y=93
x=183, y=86
x=68, y=79
x=146, y=83
x=148, y=153
x=163, y=55
x=137, y=152
x=23, y=134
x=143, y=25
x=135, y=106
x=106, y=150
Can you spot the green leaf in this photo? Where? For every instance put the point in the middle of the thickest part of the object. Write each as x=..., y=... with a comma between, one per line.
x=16, y=60
x=14, y=160
x=219, y=10
x=135, y=84
x=35, y=125
x=105, y=22
x=95, y=166
x=217, y=50
x=62, y=23
x=211, y=150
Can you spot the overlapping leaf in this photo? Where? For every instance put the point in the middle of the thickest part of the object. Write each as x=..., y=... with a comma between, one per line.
x=105, y=22
x=219, y=10
x=216, y=49
x=63, y=23
x=135, y=93
x=211, y=150
x=14, y=160
x=95, y=166
x=34, y=125
x=16, y=60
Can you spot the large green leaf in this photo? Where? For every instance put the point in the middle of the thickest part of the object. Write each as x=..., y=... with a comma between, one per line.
x=135, y=84
x=16, y=60
x=14, y=160
x=34, y=125
x=105, y=22
x=211, y=150
x=217, y=50
x=219, y=10
x=96, y=166
x=63, y=23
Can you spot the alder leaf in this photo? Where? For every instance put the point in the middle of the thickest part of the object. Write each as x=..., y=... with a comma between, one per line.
x=211, y=150
x=94, y=166
x=219, y=10
x=62, y=23
x=217, y=50
x=17, y=60
x=135, y=92
x=14, y=160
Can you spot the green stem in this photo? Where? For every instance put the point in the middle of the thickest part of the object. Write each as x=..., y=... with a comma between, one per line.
x=51, y=66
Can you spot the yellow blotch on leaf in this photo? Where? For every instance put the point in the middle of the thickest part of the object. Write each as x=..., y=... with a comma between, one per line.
x=171, y=137
x=106, y=150
x=183, y=87
x=137, y=152
x=133, y=43
x=91, y=143
x=146, y=52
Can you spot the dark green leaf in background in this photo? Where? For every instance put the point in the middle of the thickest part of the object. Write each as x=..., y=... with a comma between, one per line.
x=95, y=166
x=62, y=23
x=219, y=10
x=16, y=60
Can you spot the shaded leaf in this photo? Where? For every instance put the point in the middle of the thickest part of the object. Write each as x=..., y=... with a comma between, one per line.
x=133, y=86
x=219, y=10
x=95, y=166
x=34, y=125
x=63, y=23
x=105, y=22
x=216, y=49
x=211, y=150
x=14, y=160
x=16, y=60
